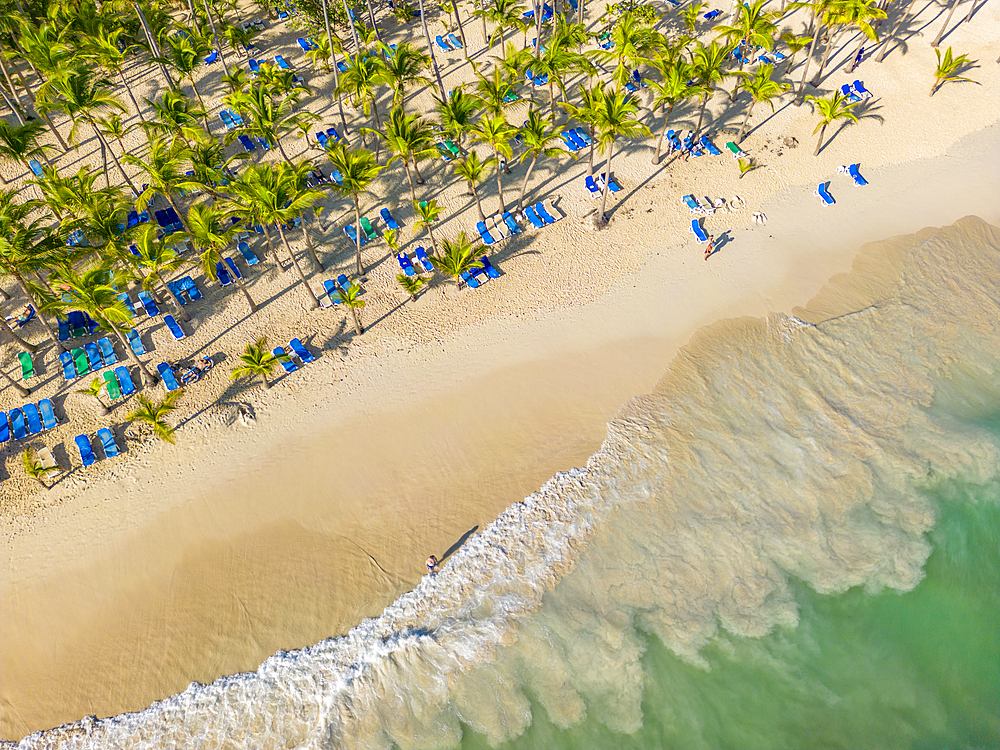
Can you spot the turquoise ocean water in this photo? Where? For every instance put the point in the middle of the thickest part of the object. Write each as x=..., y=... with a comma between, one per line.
x=793, y=542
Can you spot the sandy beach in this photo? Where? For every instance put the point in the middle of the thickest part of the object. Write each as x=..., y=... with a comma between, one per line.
x=132, y=578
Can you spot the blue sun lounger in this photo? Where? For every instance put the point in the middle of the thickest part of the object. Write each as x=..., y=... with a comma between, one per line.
x=212, y=58
x=135, y=342
x=69, y=370
x=424, y=261
x=17, y=423
x=488, y=267
x=167, y=375
x=148, y=304
x=33, y=418
x=227, y=121
x=282, y=62
x=511, y=222
x=247, y=144
x=254, y=68
x=469, y=279
x=222, y=274
x=332, y=135
x=284, y=359
x=188, y=285
x=352, y=234
x=48, y=414
x=301, y=352
x=595, y=192
x=699, y=233
x=859, y=181
x=455, y=41
x=107, y=351
x=127, y=301
x=86, y=451
x=534, y=218
x=485, y=233
x=824, y=194
x=108, y=441
x=441, y=44
x=849, y=95
x=93, y=356
x=864, y=93
x=710, y=147
x=332, y=291
x=247, y=253
x=4, y=428
x=570, y=143
x=125, y=380
x=174, y=327
x=343, y=282
x=545, y=215
x=304, y=44
x=405, y=264
x=387, y=218
x=232, y=267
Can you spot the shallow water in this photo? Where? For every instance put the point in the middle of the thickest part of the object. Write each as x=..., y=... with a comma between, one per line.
x=791, y=543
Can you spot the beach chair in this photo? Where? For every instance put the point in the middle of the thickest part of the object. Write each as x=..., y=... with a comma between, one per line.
x=455, y=41
x=443, y=152
x=534, y=218
x=48, y=463
x=712, y=15
x=4, y=428
x=511, y=223
x=736, y=151
x=352, y=234
x=167, y=376
x=849, y=95
x=247, y=144
x=860, y=90
x=188, y=285
x=301, y=352
x=341, y=66
x=485, y=233
x=263, y=143
x=148, y=304
x=18, y=427
x=63, y=329
x=322, y=140
x=237, y=273
x=337, y=177
x=577, y=141
x=545, y=215
x=127, y=301
x=112, y=386
x=86, y=451
x=332, y=134
x=595, y=192
x=498, y=228
x=48, y=413
x=227, y=121
x=174, y=327
x=69, y=370
x=692, y=204
x=469, y=279
x=452, y=148
x=33, y=419
x=78, y=324
x=212, y=57
x=107, y=351
x=236, y=117
x=425, y=262
x=247, y=253
x=135, y=342
x=859, y=181
x=254, y=68
x=405, y=264
x=440, y=43
x=699, y=233
x=303, y=44
x=366, y=225
x=552, y=211
x=93, y=356
x=125, y=380
x=222, y=275
x=282, y=63
x=488, y=268
x=108, y=441
x=36, y=167
x=332, y=292
x=824, y=194
x=709, y=146
x=389, y=221
x=177, y=290
x=571, y=145
x=284, y=359
x=27, y=367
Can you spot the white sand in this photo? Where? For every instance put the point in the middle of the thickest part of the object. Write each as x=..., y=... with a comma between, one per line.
x=133, y=577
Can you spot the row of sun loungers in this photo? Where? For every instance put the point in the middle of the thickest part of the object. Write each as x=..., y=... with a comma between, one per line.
x=77, y=324
x=327, y=138
x=107, y=440
x=448, y=150
x=367, y=230
x=91, y=357
x=575, y=138
x=453, y=43
x=422, y=260
x=332, y=290
x=28, y=420
x=481, y=274
x=596, y=187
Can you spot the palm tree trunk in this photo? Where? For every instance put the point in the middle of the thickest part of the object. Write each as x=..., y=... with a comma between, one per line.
x=357, y=321
x=434, y=64
x=311, y=249
x=267, y=386
x=215, y=38
x=20, y=388
x=138, y=109
x=148, y=378
x=602, y=218
x=972, y=9
x=819, y=143
x=800, y=97
x=947, y=21
x=590, y=164
x=486, y=37
x=746, y=120
x=892, y=34
x=430, y=234
x=270, y=245
x=479, y=206
x=413, y=193
x=701, y=115
x=350, y=24
x=295, y=262
x=499, y=183
x=371, y=17
x=461, y=29
x=114, y=158
x=246, y=293
x=826, y=57
x=416, y=171
x=358, y=231
x=17, y=99
x=200, y=100
x=10, y=331
x=524, y=185
x=663, y=132
x=336, y=73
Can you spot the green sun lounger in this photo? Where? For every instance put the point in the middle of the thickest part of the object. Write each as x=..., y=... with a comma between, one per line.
x=450, y=145
x=27, y=368
x=80, y=358
x=736, y=151
x=111, y=383
x=369, y=229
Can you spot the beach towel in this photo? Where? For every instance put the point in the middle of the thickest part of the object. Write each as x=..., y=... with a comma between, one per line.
x=80, y=360
x=405, y=264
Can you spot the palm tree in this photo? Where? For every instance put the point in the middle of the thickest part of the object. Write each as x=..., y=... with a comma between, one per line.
x=320, y=53
x=93, y=292
x=672, y=90
x=502, y=13
x=455, y=114
x=818, y=11
x=275, y=195
x=402, y=69
x=495, y=92
x=255, y=361
x=616, y=119
x=496, y=133
x=753, y=27
x=411, y=284
x=212, y=169
x=837, y=107
x=156, y=258
x=428, y=212
x=236, y=81
x=410, y=139
x=710, y=70
x=33, y=467
x=633, y=42
x=430, y=49
x=174, y=115
x=107, y=49
x=20, y=142
x=587, y=113
x=163, y=169
x=555, y=60
x=761, y=89
x=472, y=170
x=82, y=95
x=847, y=14
x=211, y=231
x=112, y=126
x=947, y=22
x=358, y=169
x=350, y=298
x=457, y=257
x=795, y=44
x=266, y=117
x=361, y=80
x=94, y=390
x=948, y=69
x=538, y=137
x=185, y=56
x=154, y=414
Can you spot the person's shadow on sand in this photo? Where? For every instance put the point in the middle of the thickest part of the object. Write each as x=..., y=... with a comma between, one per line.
x=720, y=242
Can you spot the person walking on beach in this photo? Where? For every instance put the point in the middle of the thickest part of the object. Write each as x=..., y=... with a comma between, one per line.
x=432, y=563
x=710, y=246
x=857, y=58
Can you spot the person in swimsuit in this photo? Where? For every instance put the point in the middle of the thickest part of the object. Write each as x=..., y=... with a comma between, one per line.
x=432, y=563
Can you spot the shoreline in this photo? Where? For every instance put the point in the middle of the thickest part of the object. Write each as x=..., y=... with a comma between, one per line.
x=429, y=434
